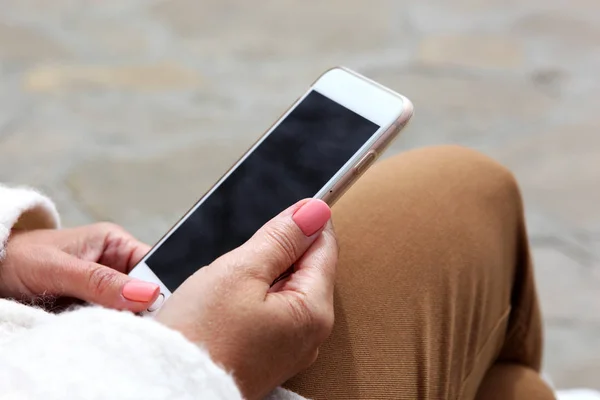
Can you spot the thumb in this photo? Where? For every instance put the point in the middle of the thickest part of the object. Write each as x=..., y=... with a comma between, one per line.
x=99, y=284
x=314, y=274
x=283, y=240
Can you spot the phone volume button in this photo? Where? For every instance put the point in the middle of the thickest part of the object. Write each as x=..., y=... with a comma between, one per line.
x=365, y=162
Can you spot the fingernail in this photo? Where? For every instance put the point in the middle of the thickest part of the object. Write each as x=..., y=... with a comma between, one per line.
x=140, y=291
x=312, y=216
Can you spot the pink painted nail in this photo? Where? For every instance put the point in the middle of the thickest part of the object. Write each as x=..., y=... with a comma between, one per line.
x=312, y=216
x=140, y=291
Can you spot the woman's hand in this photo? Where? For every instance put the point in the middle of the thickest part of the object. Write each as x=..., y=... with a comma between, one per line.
x=89, y=263
x=264, y=334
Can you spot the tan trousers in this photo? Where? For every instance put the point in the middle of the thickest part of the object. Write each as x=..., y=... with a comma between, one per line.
x=435, y=295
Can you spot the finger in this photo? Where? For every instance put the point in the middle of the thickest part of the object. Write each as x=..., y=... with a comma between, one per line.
x=283, y=240
x=314, y=275
x=122, y=251
x=125, y=254
x=105, y=286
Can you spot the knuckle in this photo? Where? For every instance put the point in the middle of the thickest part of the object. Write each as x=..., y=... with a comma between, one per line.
x=101, y=279
x=315, y=322
x=106, y=226
x=308, y=358
x=312, y=357
x=301, y=313
x=282, y=239
x=312, y=326
x=323, y=322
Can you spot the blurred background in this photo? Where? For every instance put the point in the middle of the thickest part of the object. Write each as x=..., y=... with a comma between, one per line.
x=128, y=110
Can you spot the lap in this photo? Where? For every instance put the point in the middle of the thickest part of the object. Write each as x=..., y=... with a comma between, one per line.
x=431, y=243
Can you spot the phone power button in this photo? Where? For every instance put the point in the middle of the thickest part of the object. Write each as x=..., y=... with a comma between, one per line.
x=365, y=162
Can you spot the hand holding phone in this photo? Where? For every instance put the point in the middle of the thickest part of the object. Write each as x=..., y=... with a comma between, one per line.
x=262, y=334
x=318, y=148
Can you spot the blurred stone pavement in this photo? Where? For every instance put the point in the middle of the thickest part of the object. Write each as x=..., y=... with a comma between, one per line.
x=127, y=110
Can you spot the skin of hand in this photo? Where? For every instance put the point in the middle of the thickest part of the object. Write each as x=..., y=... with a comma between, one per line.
x=263, y=333
x=88, y=263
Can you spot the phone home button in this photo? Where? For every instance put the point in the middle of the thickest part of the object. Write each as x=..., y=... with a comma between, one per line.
x=157, y=303
x=365, y=162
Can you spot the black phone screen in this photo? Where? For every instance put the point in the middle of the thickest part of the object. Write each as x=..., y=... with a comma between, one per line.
x=295, y=161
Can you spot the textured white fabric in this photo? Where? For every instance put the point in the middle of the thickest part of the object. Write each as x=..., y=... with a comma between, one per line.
x=95, y=353
x=578, y=394
x=91, y=352
x=24, y=208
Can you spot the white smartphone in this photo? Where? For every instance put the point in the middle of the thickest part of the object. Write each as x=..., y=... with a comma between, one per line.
x=317, y=148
